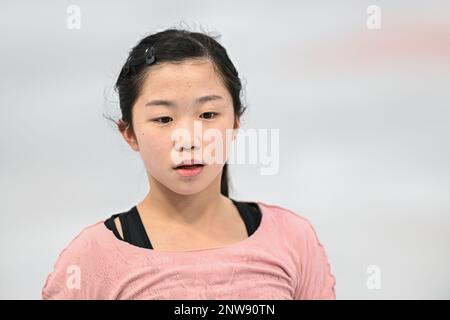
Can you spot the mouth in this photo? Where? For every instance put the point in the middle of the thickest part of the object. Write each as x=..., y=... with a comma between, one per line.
x=189, y=170
x=189, y=166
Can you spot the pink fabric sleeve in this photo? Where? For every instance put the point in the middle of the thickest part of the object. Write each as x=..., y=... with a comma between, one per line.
x=315, y=278
x=76, y=272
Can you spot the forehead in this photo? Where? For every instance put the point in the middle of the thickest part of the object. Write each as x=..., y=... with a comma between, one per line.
x=181, y=78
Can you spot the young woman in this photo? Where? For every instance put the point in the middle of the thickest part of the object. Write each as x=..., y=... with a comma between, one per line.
x=187, y=239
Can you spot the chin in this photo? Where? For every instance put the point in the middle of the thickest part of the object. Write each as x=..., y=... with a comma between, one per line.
x=186, y=190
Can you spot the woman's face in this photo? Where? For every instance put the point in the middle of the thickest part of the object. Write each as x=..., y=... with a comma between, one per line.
x=172, y=124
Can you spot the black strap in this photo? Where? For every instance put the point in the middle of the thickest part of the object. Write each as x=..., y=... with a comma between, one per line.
x=133, y=229
x=250, y=213
x=111, y=225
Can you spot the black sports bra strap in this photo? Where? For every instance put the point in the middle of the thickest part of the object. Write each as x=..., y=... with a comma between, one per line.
x=124, y=223
x=133, y=229
x=111, y=224
x=249, y=213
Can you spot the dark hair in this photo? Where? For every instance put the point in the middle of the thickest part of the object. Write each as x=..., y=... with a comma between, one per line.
x=175, y=45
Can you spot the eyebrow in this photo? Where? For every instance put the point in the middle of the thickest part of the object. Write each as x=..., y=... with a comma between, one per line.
x=198, y=101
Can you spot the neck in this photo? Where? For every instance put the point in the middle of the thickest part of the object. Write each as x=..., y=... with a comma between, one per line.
x=199, y=209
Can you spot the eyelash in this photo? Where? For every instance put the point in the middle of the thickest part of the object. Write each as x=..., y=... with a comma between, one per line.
x=157, y=119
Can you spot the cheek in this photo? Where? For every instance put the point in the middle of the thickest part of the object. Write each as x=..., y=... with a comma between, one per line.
x=153, y=150
x=218, y=145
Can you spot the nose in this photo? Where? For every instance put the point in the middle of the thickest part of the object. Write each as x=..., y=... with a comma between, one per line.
x=186, y=146
x=188, y=139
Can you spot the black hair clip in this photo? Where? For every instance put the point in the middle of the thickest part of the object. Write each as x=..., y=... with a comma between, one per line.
x=150, y=55
x=131, y=63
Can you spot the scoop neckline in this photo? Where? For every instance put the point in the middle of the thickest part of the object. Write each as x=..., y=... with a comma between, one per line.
x=230, y=246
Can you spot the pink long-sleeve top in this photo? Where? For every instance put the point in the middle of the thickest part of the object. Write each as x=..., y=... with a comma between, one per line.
x=282, y=259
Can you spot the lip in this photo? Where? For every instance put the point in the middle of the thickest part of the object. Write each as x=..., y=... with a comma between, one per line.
x=189, y=172
x=188, y=162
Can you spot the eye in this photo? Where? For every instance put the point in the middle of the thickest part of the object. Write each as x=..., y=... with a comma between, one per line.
x=162, y=118
x=210, y=113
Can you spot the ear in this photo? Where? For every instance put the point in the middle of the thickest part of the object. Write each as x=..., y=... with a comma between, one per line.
x=128, y=135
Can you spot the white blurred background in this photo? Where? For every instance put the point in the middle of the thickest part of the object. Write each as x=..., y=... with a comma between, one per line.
x=364, y=119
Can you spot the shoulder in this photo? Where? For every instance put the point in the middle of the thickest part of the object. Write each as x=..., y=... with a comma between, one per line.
x=291, y=222
x=75, y=263
x=293, y=230
x=85, y=242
